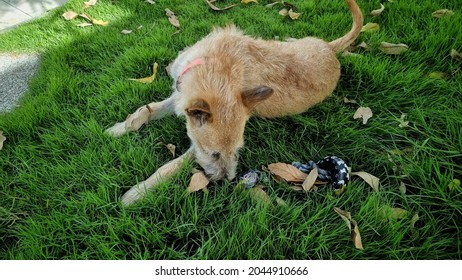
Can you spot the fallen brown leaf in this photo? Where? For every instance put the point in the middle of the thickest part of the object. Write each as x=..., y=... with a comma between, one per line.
x=364, y=113
x=215, y=8
x=90, y=3
x=363, y=45
x=356, y=236
x=248, y=1
x=390, y=48
x=2, y=139
x=284, y=12
x=347, y=53
x=172, y=18
x=310, y=180
x=456, y=55
x=70, y=15
x=272, y=4
x=442, y=13
x=370, y=27
x=198, y=182
x=126, y=31
x=293, y=15
x=378, y=11
x=349, y=101
x=99, y=22
x=296, y=188
x=171, y=148
x=150, y=79
x=85, y=16
x=371, y=180
x=345, y=215
x=287, y=172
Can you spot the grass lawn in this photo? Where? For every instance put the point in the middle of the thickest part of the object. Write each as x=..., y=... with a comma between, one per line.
x=61, y=176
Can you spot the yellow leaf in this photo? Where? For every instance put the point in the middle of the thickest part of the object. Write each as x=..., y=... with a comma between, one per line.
x=364, y=113
x=259, y=194
x=284, y=12
x=349, y=101
x=85, y=16
x=371, y=180
x=442, y=13
x=293, y=15
x=393, y=213
x=272, y=4
x=414, y=219
x=90, y=3
x=402, y=122
x=378, y=11
x=370, y=27
x=99, y=22
x=356, y=236
x=287, y=172
x=455, y=184
x=280, y=201
x=390, y=48
x=363, y=45
x=248, y=1
x=215, y=8
x=437, y=75
x=70, y=15
x=310, y=179
x=149, y=79
x=2, y=139
x=198, y=182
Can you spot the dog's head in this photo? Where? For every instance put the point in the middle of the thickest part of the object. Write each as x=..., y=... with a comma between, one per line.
x=215, y=124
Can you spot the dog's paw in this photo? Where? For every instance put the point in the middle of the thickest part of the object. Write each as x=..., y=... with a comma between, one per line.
x=134, y=194
x=117, y=130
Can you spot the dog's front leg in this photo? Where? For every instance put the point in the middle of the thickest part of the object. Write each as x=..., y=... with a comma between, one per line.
x=162, y=174
x=142, y=115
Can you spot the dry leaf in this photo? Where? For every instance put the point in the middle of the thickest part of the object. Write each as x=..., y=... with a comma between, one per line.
x=85, y=16
x=149, y=79
x=349, y=101
x=287, y=172
x=126, y=31
x=271, y=4
x=248, y=1
x=345, y=215
x=258, y=193
x=442, y=13
x=70, y=15
x=378, y=11
x=390, y=48
x=2, y=139
x=296, y=188
x=370, y=27
x=150, y=2
x=215, y=8
x=347, y=53
x=284, y=12
x=198, y=182
x=414, y=219
x=371, y=180
x=310, y=180
x=456, y=55
x=356, y=236
x=171, y=148
x=293, y=15
x=84, y=24
x=363, y=45
x=393, y=213
x=139, y=27
x=99, y=22
x=402, y=122
x=90, y=3
x=363, y=112
x=172, y=18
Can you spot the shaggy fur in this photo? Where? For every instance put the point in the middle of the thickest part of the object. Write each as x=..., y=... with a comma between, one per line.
x=238, y=77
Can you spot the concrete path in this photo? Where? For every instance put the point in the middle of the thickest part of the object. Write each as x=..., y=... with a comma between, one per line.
x=17, y=69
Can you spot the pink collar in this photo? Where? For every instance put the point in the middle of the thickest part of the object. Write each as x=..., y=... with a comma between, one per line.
x=195, y=62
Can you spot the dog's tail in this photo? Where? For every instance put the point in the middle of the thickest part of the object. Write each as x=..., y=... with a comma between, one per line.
x=345, y=41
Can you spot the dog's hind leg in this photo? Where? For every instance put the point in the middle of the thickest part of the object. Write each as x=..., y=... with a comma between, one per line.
x=142, y=115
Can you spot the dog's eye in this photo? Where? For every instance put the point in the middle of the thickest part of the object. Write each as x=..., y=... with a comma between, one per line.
x=216, y=155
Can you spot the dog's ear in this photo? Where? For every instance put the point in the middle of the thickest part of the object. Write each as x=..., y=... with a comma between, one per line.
x=252, y=97
x=199, y=111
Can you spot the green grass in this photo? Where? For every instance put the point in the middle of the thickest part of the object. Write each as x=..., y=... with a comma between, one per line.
x=61, y=176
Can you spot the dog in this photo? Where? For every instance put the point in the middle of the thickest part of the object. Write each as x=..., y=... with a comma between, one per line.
x=227, y=77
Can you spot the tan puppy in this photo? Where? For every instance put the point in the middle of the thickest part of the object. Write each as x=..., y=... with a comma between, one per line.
x=227, y=77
